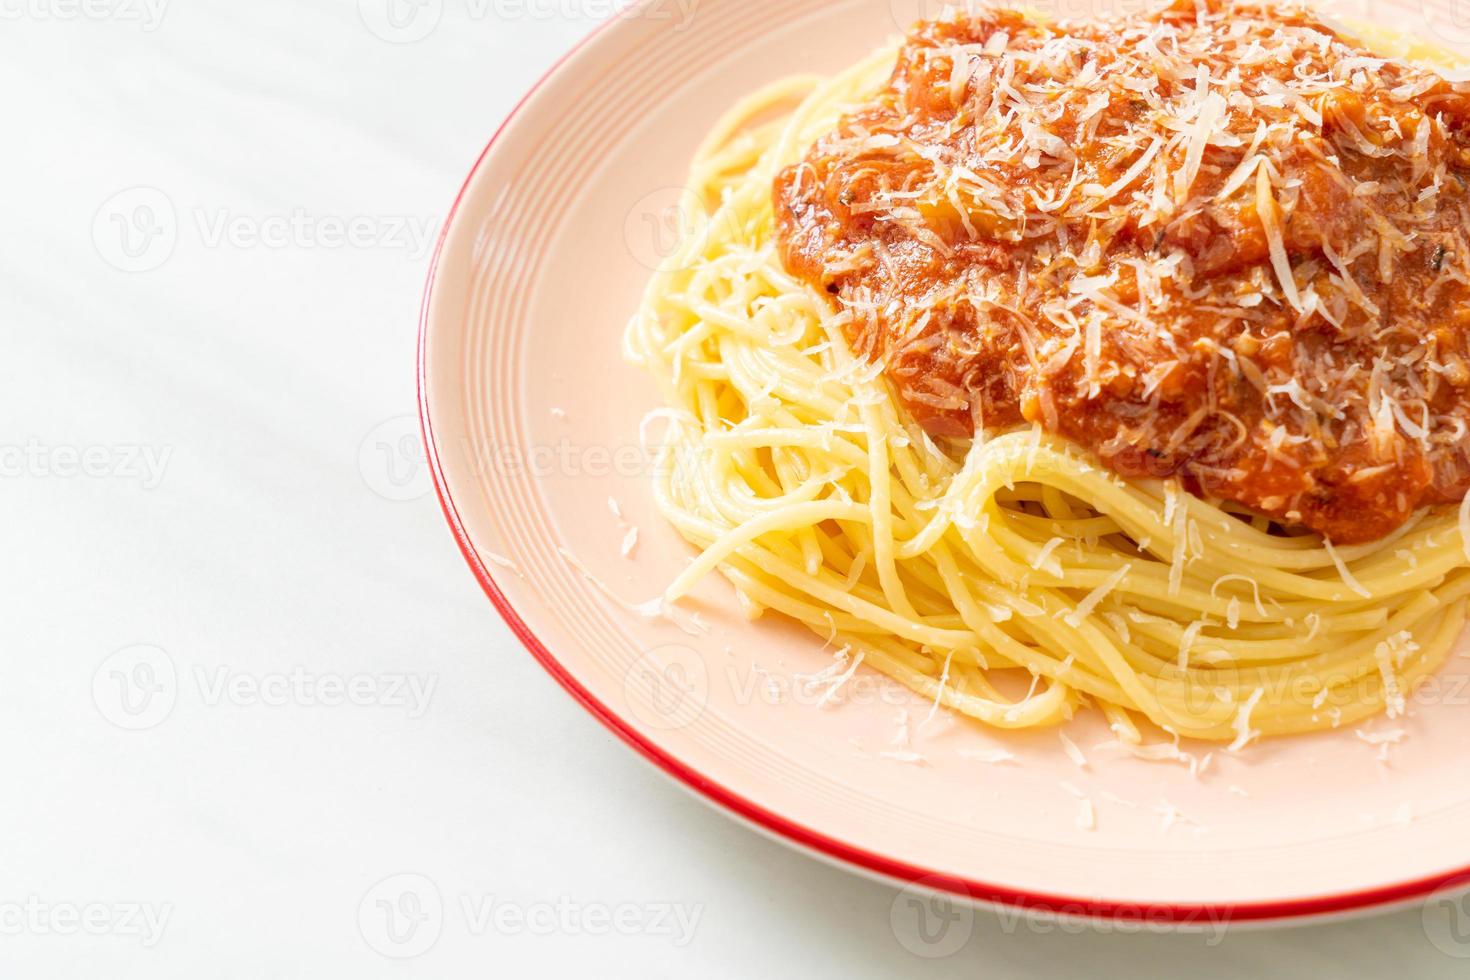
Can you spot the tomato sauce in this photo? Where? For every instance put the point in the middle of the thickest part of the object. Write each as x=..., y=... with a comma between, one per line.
x=1219, y=241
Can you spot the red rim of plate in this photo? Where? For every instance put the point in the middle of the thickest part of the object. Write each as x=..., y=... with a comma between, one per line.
x=798, y=834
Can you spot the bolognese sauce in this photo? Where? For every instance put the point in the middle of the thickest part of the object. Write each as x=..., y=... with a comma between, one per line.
x=1217, y=240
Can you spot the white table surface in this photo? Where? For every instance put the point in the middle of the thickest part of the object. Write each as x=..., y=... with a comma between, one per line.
x=204, y=475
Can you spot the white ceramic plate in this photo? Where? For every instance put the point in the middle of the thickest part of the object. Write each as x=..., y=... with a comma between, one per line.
x=531, y=422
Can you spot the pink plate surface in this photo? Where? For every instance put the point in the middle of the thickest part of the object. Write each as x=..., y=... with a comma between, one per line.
x=531, y=421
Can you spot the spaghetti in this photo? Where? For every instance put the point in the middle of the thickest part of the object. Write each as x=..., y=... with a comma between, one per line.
x=1010, y=577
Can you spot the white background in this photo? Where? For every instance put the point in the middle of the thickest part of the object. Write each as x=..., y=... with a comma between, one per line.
x=251, y=508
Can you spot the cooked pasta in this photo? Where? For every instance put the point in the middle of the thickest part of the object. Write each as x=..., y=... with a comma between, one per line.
x=1011, y=576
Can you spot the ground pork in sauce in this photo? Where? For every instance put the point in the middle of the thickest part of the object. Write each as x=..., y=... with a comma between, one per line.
x=1219, y=241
